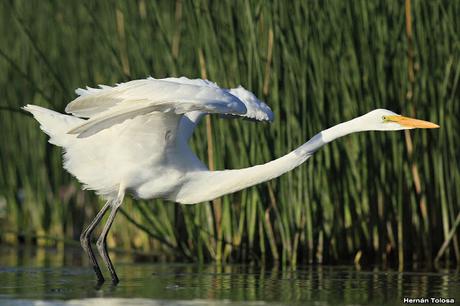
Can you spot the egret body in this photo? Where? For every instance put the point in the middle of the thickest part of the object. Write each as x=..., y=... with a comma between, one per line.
x=133, y=138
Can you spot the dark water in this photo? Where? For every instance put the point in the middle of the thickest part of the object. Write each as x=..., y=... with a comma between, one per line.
x=50, y=277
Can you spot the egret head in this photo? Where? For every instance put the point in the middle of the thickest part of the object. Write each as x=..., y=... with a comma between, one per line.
x=385, y=120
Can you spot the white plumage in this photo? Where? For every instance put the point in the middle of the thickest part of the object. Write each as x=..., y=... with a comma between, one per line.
x=135, y=140
x=131, y=138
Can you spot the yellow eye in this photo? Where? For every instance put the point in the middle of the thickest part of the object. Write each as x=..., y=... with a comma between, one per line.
x=384, y=118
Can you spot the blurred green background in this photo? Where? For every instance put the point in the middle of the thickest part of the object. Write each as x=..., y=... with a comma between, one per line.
x=386, y=198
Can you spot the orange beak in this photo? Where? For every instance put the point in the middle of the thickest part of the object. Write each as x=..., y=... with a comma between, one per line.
x=411, y=122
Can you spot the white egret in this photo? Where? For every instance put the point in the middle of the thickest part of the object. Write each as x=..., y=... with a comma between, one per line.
x=135, y=141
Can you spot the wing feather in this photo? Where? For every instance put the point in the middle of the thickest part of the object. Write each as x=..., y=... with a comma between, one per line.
x=106, y=106
x=93, y=101
x=256, y=109
x=119, y=114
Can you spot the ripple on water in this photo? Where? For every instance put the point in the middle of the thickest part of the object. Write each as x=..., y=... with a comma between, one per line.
x=190, y=284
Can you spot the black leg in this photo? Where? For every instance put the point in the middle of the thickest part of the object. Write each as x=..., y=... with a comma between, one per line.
x=101, y=242
x=85, y=240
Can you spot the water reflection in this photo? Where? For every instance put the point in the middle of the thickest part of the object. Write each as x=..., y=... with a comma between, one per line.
x=38, y=274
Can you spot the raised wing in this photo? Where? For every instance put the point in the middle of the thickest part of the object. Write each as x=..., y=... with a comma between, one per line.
x=107, y=105
x=255, y=108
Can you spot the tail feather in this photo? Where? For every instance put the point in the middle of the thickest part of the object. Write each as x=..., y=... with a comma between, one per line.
x=55, y=124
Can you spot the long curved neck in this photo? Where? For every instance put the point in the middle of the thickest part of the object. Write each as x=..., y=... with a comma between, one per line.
x=207, y=185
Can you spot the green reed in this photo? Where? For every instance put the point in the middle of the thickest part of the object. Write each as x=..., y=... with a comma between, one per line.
x=370, y=197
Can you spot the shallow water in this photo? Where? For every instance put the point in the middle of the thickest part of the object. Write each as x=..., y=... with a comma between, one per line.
x=49, y=277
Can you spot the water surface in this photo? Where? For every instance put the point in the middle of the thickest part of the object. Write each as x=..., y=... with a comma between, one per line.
x=50, y=277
